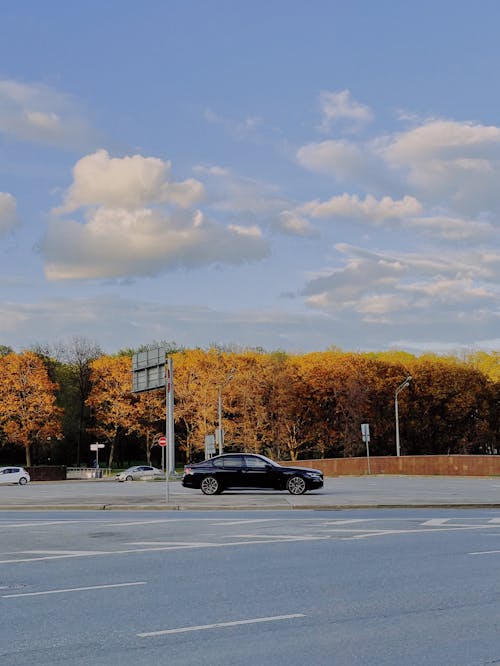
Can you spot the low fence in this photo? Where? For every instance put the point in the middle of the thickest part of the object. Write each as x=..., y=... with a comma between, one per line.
x=453, y=465
x=88, y=473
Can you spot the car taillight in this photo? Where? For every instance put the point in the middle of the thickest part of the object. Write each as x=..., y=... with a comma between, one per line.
x=187, y=470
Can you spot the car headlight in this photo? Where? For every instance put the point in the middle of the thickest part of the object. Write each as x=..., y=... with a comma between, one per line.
x=314, y=475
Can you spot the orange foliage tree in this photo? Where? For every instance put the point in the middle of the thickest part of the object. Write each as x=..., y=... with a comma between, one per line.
x=111, y=399
x=29, y=414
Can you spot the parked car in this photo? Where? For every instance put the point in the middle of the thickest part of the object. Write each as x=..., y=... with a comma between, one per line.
x=249, y=470
x=14, y=475
x=139, y=472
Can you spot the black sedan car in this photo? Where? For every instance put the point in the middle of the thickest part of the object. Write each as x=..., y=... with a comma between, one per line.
x=249, y=470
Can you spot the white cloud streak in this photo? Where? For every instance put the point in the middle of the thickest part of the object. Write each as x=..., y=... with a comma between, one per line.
x=340, y=106
x=37, y=113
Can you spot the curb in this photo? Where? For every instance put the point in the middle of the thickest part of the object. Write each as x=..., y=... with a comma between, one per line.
x=218, y=507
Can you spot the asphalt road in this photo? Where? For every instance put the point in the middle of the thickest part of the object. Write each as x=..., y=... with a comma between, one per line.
x=340, y=492
x=410, y=587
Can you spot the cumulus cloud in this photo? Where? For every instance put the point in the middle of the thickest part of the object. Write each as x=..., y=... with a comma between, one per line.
x=342, y=159
x=369, y=208
x=137, y=221
x=340, y=106
x=119, y=242
x=8, y=213
x=454, y=162
x=127, y=182
x=37, y=113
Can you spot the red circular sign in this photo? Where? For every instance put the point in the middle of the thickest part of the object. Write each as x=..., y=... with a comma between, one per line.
x=162, y=441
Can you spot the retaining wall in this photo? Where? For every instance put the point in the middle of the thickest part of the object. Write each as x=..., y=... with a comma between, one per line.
x=454, y=465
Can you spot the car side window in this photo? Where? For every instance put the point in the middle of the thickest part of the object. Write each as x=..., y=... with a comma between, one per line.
x=255, y=463
x=233, y=462
x=218, y=462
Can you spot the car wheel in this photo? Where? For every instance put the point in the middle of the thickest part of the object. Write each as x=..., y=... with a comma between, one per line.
x=210, y=486
x=129, y=478
x=296, y=485
x=23, y=481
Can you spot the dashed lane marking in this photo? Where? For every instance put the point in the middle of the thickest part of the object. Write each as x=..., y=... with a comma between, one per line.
x=72, y=589
x=220, y=625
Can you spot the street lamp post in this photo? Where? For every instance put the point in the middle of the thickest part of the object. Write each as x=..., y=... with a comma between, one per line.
x=398, y=390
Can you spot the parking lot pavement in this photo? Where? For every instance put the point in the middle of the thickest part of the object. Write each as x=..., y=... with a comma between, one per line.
x=338, y=493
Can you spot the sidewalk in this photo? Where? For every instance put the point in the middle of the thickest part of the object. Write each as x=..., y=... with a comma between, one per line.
x=338, y=493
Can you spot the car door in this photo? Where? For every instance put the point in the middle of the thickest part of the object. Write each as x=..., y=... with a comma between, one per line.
x=10, y=475
x=232, y=471
x=256, y=473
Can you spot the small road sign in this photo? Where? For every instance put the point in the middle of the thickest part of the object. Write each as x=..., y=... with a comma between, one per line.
x=96, y=447
x=162, y=441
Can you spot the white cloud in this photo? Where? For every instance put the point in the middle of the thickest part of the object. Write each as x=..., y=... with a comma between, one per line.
x=369, y=208
x=410, y=288
x=8, y=213
x=136, y=221
x=127, y=182
x=118, y=242
x=340, y=106
x=37, y=113
x=449, y=162
x=452, y=228
x=251, y=200
x=342, y=159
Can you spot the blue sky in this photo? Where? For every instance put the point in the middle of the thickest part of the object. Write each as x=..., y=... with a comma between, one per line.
x=287, y=175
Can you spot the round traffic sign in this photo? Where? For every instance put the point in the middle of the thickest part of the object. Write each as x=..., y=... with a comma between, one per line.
x=162, y=441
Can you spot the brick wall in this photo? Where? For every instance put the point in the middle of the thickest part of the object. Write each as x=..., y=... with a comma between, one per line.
x=454, y=465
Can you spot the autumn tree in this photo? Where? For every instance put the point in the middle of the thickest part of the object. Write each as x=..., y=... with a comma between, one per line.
x=29, y=414
x=196, y=374
x=148, y=418
x=111, y=400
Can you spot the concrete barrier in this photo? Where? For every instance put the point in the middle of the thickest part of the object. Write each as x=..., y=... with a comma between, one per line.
x=453, y=465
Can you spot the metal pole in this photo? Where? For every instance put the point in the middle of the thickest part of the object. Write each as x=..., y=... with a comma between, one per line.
x=220, y=437
x=398, y=390
x=398, y=449
x=171, y=429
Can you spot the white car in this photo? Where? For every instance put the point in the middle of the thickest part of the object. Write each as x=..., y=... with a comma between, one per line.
x=14, y=475
x=139, y=472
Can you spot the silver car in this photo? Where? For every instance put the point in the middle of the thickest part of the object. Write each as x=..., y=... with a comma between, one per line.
x=14, y=475
x=140, y=472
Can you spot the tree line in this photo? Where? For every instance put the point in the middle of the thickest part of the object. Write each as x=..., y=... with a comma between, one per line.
x=55, y=402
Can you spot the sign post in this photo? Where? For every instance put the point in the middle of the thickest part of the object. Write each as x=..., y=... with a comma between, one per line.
x=162, y=441
x=151, y=370
x=365, y=433
x=95, y=447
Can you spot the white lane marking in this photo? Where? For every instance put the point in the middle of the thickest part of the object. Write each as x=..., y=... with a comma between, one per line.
x=245, y=521
x=218, y=625
x=485, y=552
x=494, y=520
x=436, y=521
x=71, y=589
x=71, y=553
x=154, y=549
x=188, y=544
x=347, y=522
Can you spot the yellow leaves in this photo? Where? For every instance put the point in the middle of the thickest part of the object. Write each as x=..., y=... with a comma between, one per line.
x=29, y=413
